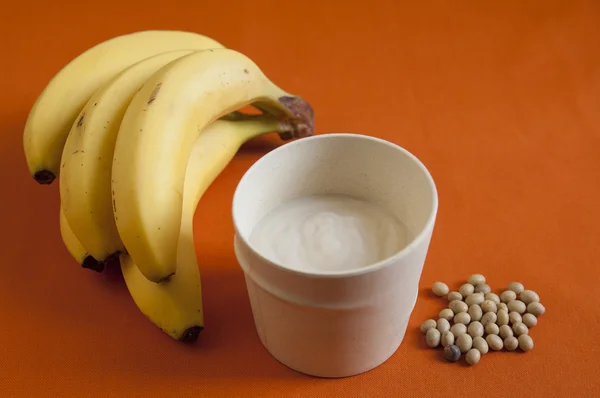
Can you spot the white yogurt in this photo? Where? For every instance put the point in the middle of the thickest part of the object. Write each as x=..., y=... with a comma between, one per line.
x=323, y=233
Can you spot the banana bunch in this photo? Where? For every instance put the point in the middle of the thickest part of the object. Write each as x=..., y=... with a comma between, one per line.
x=136, y=129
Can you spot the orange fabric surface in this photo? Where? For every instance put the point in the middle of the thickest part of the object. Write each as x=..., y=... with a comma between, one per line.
x=499, y=99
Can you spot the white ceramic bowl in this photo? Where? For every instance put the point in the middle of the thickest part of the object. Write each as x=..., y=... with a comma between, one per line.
x=345, y=322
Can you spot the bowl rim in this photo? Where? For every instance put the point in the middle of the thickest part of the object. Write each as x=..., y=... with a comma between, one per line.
x=404, y=252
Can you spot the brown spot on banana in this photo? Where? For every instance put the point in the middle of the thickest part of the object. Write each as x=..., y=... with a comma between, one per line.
x=167, y=278
x=154, y=93
x=80, y=121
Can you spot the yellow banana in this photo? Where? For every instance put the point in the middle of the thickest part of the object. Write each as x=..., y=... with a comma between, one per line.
x=156, y=136
x=75, y=248
x=85, y=187
x=55, y=110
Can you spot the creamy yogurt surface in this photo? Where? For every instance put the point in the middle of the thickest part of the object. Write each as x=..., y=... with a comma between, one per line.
x=329, y=232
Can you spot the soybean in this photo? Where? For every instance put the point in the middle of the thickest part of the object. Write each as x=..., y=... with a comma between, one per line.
x=489, y=317
x=452, y=353
x=447, y=339
x=458, y=329
x=476, y=279
x=440, y=289
x=463, y=318
x=491, y=328
x=454, y=296
x=475, y=329
x=507, y=296
x=443, y=325
x=525, y=342
x=529, y=320
x=466, y=289
x=536, y=308
x=428, y=324
x=493, y=297
x=475, y=298
x=520, y=328
x=481, y=345
x=529, y=296
x=464, y=342
x=516, y=287
x=489, y=306
x=433, y=337
x=514, y=317
x=458, y=306
x=503, y=306
x=505, y=331
x=475, y=312
x=485, y=289
x=511, y=343
x=502, y=318
x=446, y=314
x=495, y=342
x=517, y=306
x=473, y=356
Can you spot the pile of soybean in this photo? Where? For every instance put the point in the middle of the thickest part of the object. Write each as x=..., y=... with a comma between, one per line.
x=478, y=320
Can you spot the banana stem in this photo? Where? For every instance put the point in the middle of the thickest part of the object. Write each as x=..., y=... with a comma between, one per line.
x=301, y=120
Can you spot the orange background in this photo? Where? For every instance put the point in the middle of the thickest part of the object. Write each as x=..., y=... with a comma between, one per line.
x=499, y=99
